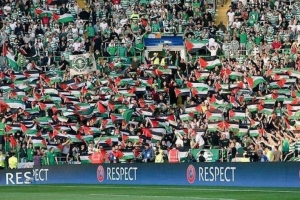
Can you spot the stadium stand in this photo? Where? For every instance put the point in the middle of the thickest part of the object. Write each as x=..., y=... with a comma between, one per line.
x=124, y=81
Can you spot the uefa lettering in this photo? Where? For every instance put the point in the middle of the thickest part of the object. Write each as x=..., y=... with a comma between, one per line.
x=100, y=173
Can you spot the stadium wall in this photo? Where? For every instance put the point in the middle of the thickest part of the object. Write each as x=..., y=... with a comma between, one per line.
x=198, y=174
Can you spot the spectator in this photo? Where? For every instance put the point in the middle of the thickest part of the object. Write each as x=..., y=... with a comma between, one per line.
x=147, y=154
x=159, y=156
x=13, y=161
x=37, y=158
x=201, y=157
x=2, y=160
x=51, y=157
x=174, y=155
x=191, y=158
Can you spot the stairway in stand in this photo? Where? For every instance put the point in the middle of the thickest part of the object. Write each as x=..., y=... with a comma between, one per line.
x=221, y=12
x=81, y=3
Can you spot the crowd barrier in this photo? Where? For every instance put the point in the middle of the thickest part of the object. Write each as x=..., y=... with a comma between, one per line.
x=198, y=174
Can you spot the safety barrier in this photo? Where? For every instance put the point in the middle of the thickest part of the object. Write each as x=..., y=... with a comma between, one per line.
x=200, y=174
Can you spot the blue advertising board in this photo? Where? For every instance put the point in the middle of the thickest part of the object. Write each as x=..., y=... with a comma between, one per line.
x=200, y=174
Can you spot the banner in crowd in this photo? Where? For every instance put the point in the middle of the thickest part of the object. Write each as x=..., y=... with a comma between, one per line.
x=82, y=64
x=200, y=174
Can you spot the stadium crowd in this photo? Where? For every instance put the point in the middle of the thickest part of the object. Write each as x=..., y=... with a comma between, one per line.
x=235, y=98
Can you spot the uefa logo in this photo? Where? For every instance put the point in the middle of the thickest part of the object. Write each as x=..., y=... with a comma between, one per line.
x=191, y=174
x=100, y=173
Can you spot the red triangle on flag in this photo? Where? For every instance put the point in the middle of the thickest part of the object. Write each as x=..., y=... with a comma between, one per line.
x=101, y=107
x=38, y=11
x=188, y=45
x=13, y=141
x=23, y=128
x=281, y=82
x=208, y=114
x=202, y=62
x=199, y=108
x=150, y=81
x=124, y=137
x=44, y=142
x=42, y=106
x=78, y=136
x=8, y=128
x=108, y=141
x=189, y=84
x=250, y=81
x=177, y=92
x=231, y=113
x=113, y=117
x=147, y=133
x=55, y=16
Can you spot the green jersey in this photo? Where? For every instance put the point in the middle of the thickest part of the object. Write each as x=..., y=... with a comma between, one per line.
x=29, y=154
x=51, y=158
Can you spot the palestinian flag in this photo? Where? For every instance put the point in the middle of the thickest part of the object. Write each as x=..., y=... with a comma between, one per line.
x=293, y=107
x=185, y=117
x=235, y=75
x=88, y=138
x=89, y=130
x=241, y=132
x=57, y=147
x=209, y=64
x=236, y=115
x=65, y=18
x=87, y=113
x=10, y=59
x=127, y=155
x=39, y=142
x=252, y=107
x=255, y=81
x=107, y=141
x=266, y=111
x=214, y=116
x=130, y=138
x=194, y=45
x=158, y=131
x=202, y=75
x=43, y=13
x=294, y=74
x=182, y=92
x=254, y=123
x=199, y=91
x=85, y=159
x=197, y=85
x=156, y=124
x=14, y=103
x=256, y=132
x=193, y=109
x=213, y=126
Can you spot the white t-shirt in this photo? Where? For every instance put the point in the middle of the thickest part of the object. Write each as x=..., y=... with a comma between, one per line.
x=213, y=52
x=237, y=24
x=103, y=26
x=230, y=16
x=76, y=46
x=123, y=21
x=6, y=9
x=199, y=139
x=13, y=26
